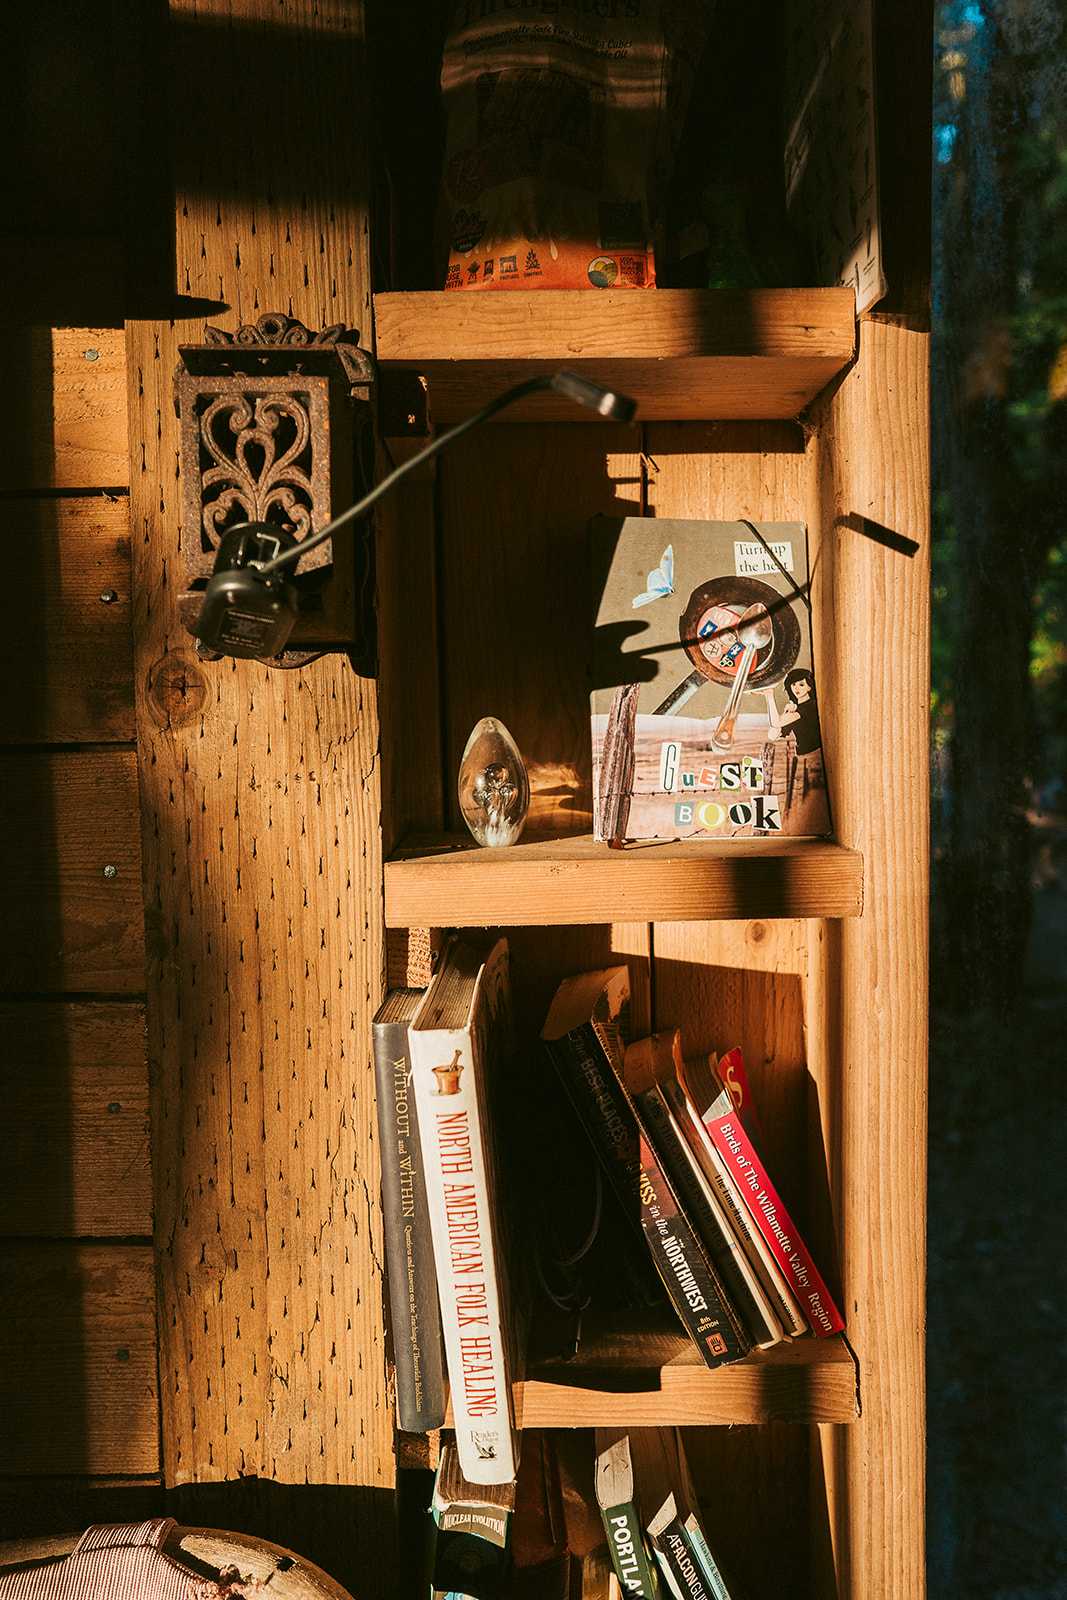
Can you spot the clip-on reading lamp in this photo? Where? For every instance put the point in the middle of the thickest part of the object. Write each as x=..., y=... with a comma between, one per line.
x=250, y=605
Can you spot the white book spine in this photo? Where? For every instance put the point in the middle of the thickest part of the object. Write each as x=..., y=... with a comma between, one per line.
x=458, y=1200
x=720, y=1177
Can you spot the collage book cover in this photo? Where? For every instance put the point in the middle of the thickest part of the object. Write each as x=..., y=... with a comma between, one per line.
x=705, y=712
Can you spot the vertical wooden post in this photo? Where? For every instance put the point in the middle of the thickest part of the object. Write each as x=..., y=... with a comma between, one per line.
x=869, y=983
x=262, y=853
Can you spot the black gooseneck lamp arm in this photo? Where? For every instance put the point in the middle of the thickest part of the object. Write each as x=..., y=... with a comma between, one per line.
x=250, y=607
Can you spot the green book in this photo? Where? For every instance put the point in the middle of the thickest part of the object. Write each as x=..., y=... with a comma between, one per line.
x=621, y=1514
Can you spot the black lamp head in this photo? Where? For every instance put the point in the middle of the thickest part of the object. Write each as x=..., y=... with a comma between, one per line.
x=248, y=612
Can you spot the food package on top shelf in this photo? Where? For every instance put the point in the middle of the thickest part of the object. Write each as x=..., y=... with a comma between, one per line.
x=563, y=117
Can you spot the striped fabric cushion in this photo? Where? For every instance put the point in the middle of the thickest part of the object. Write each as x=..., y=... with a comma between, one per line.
x=114, y=1561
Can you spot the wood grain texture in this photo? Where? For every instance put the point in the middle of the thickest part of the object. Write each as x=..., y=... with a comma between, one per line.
x=75, y=1084
x=575, y=880
x=67, y=926
x=679, y=352
x=873, y=634
x=807, y=1380
x=261, y=803
x=63, y=409
x=78, y=1357
x=408, y=683
x=70, y=554
x=516, y=641
x=73, y=278
x=34, y=1508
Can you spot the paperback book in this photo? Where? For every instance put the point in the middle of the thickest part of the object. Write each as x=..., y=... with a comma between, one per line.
x=462, y=1025
x=652, y=1067
x=705, y=715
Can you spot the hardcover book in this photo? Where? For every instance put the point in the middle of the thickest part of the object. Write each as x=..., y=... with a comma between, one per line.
x=463, y=1024
x=472, y=1529
x=705, y=715
x=412, y=1278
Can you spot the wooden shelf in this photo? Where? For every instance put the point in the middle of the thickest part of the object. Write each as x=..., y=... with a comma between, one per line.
x=693, y=354
x=450, y=882
x=653, y=1377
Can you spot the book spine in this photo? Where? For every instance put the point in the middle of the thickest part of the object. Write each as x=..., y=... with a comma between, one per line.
x=628, y=1554
x=701, y=1204
x=678, y=1563
x=606, y=1112
x=457, y=1191
x=718, y=1174
x=701, y=1553
x=686, y=1273
x=685, y=1565
x=601, y=1107
x=775, y=1224
x=412, y=1278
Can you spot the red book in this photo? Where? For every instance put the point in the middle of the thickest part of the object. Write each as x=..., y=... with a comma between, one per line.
x=774, y=1222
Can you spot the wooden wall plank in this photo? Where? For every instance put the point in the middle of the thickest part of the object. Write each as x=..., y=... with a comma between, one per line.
x=70, y=554
x=872, y=610
x=74, y=1082
x=67, y=927
x=261, y=803
x=78, y=1358
x=63, y=409
x=36, y=1507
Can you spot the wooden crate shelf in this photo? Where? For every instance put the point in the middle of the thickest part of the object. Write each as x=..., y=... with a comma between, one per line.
x=450, y=882
x=695, y=354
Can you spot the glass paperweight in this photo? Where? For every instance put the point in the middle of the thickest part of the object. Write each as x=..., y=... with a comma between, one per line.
x=494, y=790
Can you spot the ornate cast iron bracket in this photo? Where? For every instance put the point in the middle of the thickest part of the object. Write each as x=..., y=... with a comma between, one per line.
x=276, y=426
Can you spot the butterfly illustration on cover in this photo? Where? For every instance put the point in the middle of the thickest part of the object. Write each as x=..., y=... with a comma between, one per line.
x=660, y=581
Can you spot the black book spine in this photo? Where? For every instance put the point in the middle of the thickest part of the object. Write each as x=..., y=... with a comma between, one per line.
x=675, y=1555
x=602, y=1108
x=608, y=1116
x=687, y=1188
x=688, y=1276
x=412, y=1277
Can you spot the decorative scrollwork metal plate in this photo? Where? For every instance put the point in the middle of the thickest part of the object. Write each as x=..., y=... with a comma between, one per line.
x=262, y=455
x=271, y=418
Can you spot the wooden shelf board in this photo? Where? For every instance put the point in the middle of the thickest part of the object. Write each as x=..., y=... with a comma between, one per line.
x=655, y=1378
x=694, y=354
x=450, y=882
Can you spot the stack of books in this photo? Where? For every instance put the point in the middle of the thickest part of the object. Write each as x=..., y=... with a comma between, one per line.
x=591, y=1517
x=676, y=1143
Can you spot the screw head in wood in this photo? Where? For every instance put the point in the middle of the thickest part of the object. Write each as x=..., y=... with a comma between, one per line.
x=111, y=871
x=108, y=597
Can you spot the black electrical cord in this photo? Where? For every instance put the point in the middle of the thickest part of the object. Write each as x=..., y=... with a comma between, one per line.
x=614, y=407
